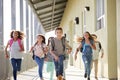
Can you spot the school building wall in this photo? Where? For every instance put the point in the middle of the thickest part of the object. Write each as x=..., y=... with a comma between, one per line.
x=106, y=35
x=118, y=37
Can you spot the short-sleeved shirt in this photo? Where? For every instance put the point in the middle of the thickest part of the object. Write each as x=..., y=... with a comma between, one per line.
x=38, y=50
x=15, y=50
x=58, y=47
x=96, y=52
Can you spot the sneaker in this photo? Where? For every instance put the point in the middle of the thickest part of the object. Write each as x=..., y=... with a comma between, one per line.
x=64, y=79
x=59, y=77
x=85, y=75
x=88, y=78
x=96, y=78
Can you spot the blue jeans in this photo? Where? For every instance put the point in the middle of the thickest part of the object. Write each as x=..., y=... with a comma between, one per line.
x=40, y=62
x=16, y=64
x=87, y=59
x=59, y=65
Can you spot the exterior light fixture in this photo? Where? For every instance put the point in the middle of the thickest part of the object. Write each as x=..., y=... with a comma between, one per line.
x=87, y=8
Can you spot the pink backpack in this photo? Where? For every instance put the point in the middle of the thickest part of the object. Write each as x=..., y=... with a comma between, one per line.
x=19, y=42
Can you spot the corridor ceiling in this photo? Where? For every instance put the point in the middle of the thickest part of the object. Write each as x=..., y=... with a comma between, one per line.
x=49, y=12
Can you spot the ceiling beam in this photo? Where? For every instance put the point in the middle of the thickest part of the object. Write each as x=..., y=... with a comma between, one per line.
x=46, y=23
x=43, y=4
x=49, y=25
x=50, y=20
x=50, y=12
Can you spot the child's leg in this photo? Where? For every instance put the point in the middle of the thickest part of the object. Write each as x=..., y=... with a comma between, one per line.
x=51, y=70
x=96, y=67
x=19, y=64
x=65, y=67
x=14, y=62
x=40, y=62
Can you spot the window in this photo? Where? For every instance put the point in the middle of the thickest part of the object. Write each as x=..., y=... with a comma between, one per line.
x=100, y=14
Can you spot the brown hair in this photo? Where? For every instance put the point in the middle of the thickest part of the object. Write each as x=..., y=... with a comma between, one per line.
x=58, y=28
x=94, y=35
x=90, y=37
x=43, y=41
x=20, y=34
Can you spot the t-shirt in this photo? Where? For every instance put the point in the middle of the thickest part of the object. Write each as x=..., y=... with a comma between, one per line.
x=15, y=50
x=38, y=50
x=58, y=47
x=96, y=52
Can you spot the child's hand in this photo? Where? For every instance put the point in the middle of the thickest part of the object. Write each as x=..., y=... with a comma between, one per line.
x=75, y=56
x=56, y=58
x=6, y=55
x=102, y=55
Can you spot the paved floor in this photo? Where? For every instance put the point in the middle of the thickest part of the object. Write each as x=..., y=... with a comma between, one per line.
x=72, y=73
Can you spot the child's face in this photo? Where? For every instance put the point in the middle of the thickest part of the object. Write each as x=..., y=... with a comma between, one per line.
x=39, y=38
x=15, y=34
x=58, y=33
x=86, y=36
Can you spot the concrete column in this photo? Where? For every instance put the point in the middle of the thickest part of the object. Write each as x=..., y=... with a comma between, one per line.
x=21, y=16
x=32, y=41
x=27, y=27
x=111, y=39
x=13, y=14
x=118, y=37
x=1, y=23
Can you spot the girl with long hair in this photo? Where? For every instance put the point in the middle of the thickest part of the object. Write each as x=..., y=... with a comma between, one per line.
x=87, y=44
x=16, y=48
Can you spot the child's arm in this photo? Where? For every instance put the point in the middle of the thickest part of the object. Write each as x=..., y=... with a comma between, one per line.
x=102, y=51
x=79, y=47
x=68, y=47
x=55, y=57
x=22, y=47
x=31, y=49
x=6, y=54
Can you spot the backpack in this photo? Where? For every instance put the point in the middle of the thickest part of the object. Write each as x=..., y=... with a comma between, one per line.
x=19, y=42
x=100, y=45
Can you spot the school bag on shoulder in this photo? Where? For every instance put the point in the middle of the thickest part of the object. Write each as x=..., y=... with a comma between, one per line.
x=19, y=42
x=100, y=47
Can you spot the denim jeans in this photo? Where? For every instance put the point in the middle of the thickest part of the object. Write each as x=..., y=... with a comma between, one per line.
x=87, y=59
x=16, y=65
x=40, y=62
x=59, y=65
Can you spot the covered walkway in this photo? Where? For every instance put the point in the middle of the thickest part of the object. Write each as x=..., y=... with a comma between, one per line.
x=32, y=17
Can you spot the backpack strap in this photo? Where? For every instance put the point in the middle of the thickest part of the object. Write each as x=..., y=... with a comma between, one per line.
x=100, y=45
x=11, y=41
x=52, y=43
x=19, y=42
x=63, y=43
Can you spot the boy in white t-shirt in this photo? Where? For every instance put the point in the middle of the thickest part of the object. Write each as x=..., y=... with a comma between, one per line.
x=96, y=54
